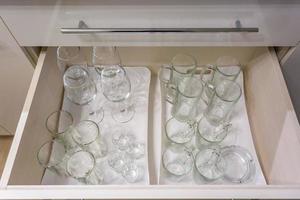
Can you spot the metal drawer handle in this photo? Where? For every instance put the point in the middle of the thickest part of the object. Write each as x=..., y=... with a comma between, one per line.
x=83, y=29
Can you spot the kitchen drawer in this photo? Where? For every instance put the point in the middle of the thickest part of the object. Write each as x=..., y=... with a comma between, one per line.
x=38, y=23
x=272, y=118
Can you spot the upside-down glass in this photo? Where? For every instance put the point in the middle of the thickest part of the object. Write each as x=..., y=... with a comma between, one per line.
x=116, y=88
x=51, y=156
x=87, y=135
x=225, y=96
x=182, y=66
x=79, y=87
x=188, y=103
x=68, y=56
x=227, y=68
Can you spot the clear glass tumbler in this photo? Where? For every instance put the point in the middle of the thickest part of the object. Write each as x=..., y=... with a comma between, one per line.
x=60, y=125
x=51, y=155
x=68, y=56
x=226, y=95
x=87, y=135
x=182, y=66
x=188, y=99
x=79, y=87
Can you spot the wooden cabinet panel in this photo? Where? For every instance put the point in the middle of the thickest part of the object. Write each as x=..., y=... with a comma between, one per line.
x=15, y=74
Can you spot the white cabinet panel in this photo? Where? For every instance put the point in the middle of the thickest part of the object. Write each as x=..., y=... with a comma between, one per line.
x=36, y=23
x=15, y=75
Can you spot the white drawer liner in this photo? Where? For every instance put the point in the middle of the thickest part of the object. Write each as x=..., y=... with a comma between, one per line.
x=140, y=80
x=240, y=135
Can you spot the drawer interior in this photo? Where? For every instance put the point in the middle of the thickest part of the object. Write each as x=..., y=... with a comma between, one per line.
x=272, y=118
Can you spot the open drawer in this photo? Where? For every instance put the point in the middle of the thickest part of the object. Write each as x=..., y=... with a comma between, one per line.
x=272, y=118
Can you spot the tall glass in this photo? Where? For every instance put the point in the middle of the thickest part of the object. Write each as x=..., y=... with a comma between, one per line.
x=68, y=56
x=189, y=91
x=226, y=68
x=182, y=66
x=105, y=56
x=226, y=95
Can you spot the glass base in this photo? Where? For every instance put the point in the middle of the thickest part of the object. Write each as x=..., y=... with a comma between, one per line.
x=124, y=115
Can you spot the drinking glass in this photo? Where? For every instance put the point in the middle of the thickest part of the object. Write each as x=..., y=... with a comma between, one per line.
x=51, y=156
x=212, y=133
x=226, y=67
x=177, y=160
x=79, y=87
x=226, y=95
x=182, y=66
x=87, y=135
x=188, y=101
x=80, y=165
x=60, y=125
x=209, y=163
x=179, y=132
x=58, y=122
x=68, y=56
x=105, y=56
x=116, y=88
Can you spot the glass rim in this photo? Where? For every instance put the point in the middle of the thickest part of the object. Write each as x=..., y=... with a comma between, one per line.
x=218, y=68
x=226, y=99
x=168, y=137
x=177, y=175
x=191, y=96
x=93, y=140
x=42, y=146
x=244, y=154
x=207, y=140
x=66, y=59
x=213, y=148
x=188, y=55
x=89, y=171
x=59, y=111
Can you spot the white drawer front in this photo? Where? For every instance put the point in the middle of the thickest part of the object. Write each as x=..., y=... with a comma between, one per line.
x=38, y=24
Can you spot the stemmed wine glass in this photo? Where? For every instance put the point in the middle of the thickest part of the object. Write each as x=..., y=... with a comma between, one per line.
x=115, y=84
x=116, y=88
x=81, y=90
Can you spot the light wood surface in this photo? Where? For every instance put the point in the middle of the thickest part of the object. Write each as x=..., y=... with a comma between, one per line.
x=273, y=120
x=15, y=75
x=5, y=143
